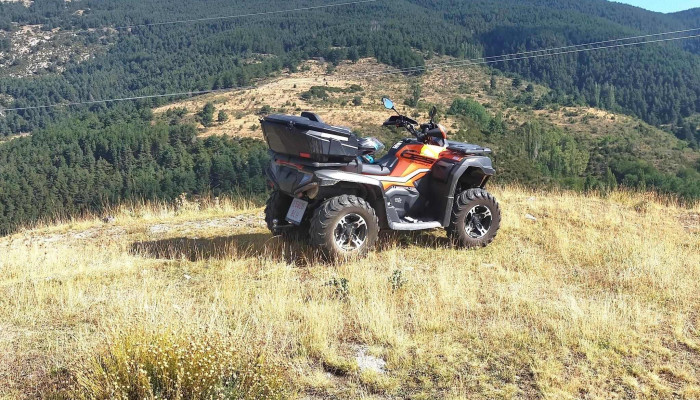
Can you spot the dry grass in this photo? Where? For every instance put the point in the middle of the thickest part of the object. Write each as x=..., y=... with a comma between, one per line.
x=283, y=95
x=439, y=86
x=598, y=298
x=172, y=365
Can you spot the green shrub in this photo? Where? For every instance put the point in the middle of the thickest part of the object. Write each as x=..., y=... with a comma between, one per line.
x=265, y=110
x=340, y=287
x=396, y=280
x=206, y=116
x=471, y=109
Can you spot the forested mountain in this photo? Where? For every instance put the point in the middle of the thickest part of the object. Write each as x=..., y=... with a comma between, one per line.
x=659, y=83
x=689, y=18
x=90, y=161
x=86, y=157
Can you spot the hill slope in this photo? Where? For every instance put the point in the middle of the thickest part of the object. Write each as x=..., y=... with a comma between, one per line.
x=344, y=97
x=93, y=160
x=689, y=17
x=597, y=298
x=659, y=83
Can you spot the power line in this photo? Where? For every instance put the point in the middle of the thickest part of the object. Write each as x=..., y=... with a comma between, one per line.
x=153, y=96
x=368, y=74
x=194, y=20
x=591, y=43
x=247, y=15
x=460, y=63
x=594, y=48
x=506, y=57
x=500, y=58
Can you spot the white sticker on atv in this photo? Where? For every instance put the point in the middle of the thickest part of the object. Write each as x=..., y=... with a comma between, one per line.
x=296, y=211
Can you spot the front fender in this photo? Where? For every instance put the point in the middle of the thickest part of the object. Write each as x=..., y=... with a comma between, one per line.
x=484, y=164
x=471, y=172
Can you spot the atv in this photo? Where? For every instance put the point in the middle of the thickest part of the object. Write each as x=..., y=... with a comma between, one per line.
x=328, y=188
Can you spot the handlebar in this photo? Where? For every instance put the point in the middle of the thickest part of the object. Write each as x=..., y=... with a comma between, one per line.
x=420, y=135
x=405, y=122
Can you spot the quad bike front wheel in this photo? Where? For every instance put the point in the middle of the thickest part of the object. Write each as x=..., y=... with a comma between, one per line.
x=344, y=227
x=475, y=220
x=275, y=212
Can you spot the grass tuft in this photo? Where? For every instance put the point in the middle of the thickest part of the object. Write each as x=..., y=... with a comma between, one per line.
x=140, y=364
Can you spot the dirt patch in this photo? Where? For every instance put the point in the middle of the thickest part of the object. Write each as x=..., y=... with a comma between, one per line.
x=239, y=221
x=367, y=362
x=283, y=95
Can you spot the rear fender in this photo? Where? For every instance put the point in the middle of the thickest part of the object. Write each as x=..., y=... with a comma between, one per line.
x=288, y=179
x=335, y=182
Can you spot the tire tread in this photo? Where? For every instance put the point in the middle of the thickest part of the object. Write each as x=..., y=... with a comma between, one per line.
x=276, y=208
x=324, y=215
x=462, y=200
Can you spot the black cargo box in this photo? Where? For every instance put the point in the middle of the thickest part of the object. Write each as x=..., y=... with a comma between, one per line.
x=306, y=138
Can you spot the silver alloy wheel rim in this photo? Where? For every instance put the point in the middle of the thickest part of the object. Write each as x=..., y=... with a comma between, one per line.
x=478, y=221
x=350, y=232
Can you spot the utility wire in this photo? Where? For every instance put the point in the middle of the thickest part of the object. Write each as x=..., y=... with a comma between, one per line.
x=220, y=18
x=460, y=63
x=153, y=96
x=591, y=43
x=368, y=74
x=499, y=57
x=506, y=57
x=185, y=21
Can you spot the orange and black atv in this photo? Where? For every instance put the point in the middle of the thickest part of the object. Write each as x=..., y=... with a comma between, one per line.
x=327, y=185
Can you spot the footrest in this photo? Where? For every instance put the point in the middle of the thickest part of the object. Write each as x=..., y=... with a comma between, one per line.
x=414, y=226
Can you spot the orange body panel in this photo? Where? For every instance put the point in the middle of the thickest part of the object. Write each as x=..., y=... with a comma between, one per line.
x=414, y=162
x=412, y=158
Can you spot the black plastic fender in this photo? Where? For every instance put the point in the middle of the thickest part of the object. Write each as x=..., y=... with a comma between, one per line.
x=472, y=172
x=287, y=179
x=370, y=185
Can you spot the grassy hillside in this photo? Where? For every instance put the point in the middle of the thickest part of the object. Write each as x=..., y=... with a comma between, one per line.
x=96, y=160
x=287, y=93
x=596, y=298
x=345, y=97
x=83, y=51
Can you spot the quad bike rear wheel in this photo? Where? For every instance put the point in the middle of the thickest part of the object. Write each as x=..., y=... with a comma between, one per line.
x=475, y=220
x=276, y=211
x=344, y=226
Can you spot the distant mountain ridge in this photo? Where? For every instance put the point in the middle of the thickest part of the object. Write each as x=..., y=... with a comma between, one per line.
x=660, y=83
x=100, y=154
x=692, y=15
x=690, y=19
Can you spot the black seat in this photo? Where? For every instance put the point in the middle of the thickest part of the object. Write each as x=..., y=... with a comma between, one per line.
x=375, y=169
x=383, y=166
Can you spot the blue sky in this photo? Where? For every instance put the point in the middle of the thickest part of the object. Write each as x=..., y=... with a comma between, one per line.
x=663, y=5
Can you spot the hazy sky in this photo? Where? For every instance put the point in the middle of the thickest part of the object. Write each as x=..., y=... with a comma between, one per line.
x=663, y=5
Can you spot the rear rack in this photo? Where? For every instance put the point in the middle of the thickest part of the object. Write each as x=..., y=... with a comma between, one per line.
x=466, y=148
